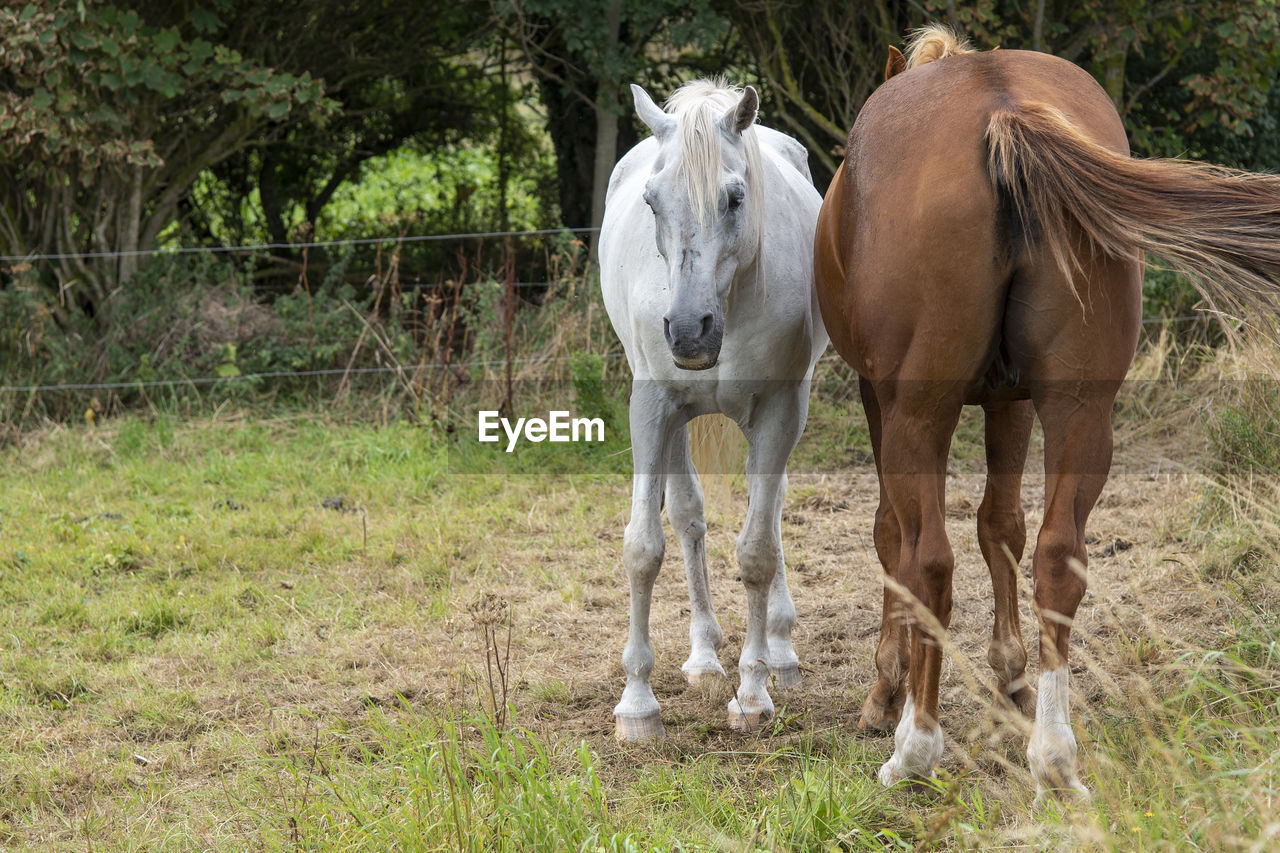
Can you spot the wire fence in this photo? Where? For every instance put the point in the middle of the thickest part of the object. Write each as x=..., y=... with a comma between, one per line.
x=285, y=374
x=416, y=369
x=264, y=247
x=403, y=370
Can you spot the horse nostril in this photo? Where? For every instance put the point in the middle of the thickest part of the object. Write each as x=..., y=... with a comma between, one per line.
x=666, y=329
x=707, y=322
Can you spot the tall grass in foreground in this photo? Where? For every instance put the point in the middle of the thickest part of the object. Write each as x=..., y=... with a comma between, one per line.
x=1183, y=758
x=454, y=783
x=1186, y=745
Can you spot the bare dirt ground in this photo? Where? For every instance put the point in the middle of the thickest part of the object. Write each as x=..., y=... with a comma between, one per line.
x=569, y=600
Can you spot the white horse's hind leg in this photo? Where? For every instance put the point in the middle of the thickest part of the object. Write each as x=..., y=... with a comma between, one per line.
x=685, y=510
x=636, y=716
x=772, y=434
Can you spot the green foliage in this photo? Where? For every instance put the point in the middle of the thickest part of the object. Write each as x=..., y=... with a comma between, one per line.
x=1167, y=294
x=108, y=115
x=817, y=61
x=824, y=808
x=1245, y=436
x=443, y=190
x=594, y=397
x=466, y=785
x=431, y=93
x=89, y=81
x=189, y=317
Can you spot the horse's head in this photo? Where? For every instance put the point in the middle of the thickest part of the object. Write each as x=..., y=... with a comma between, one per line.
x=706, y=194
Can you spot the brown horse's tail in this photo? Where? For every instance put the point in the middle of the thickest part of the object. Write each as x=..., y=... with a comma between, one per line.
x=715, y=445
x=1220, y=227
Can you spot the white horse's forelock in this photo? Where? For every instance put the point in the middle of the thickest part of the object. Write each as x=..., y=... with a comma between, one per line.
x=698, y=107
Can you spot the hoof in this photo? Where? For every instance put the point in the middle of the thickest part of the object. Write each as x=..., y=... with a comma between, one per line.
x=750, y=720
x=891, y=773
x=879, y=716
x=1024, y=699
x=916, y=750
x=638, y=729
x=703, y=675
x=1074, y=795
x=786, y=677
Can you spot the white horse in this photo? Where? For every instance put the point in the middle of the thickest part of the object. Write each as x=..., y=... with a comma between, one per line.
x=706, y=261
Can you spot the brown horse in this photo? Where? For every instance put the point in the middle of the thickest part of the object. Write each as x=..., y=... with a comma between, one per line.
x=982, y=244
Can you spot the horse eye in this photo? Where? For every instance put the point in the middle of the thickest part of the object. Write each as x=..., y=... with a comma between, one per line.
x=734, y=200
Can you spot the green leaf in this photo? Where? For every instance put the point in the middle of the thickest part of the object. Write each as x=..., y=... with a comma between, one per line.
x=167, y=40
x=130, y=22
x=205, y=21
x=153, y=75
x=82, y=39
x=275, y=112
x=41, y=99
x=227, y=370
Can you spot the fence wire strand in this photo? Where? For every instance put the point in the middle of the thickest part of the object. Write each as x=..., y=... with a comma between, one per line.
x=280, y=374
x=259, y=247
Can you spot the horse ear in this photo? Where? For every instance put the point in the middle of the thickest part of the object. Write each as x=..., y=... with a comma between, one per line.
x=896, y=65
x=650, y=113
x=742, y=116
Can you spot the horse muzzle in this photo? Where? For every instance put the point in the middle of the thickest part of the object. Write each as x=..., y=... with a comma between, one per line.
x=694, y=342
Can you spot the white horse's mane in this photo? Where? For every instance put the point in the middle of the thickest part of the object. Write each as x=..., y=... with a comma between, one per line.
x=698, y=107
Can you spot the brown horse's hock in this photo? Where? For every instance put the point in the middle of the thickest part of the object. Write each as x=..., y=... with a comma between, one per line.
x=982, y=244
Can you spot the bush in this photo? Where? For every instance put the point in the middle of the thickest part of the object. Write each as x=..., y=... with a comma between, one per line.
x=195, y=325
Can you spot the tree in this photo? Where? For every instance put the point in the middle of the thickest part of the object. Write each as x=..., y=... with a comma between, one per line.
x=820, y=61
x=583, y=53
x=1175, y=70
x=1185, y=76
x=393, y=90
x=107, y=117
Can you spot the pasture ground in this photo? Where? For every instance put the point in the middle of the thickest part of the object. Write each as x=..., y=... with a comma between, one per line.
x=237, y=632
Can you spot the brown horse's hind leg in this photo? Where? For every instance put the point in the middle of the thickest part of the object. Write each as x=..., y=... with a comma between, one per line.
x=1001, y=525
x=883, y=705
x=1077, y=431
x=917, y=420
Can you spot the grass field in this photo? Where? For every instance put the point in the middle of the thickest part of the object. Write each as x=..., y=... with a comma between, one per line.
x=249, y=632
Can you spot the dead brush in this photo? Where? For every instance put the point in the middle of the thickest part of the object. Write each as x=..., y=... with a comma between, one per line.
x=490, y=613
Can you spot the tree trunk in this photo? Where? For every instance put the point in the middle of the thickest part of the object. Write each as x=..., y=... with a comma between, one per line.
x=572, y=129
x=127, y=240
x=606, y=155
x=606, y=108
x=1113, y=73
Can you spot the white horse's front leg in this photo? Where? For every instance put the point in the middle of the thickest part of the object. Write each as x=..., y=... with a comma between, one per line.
x=784, y=664
x=772, y=435
x=636, y=716
x=685, y=511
